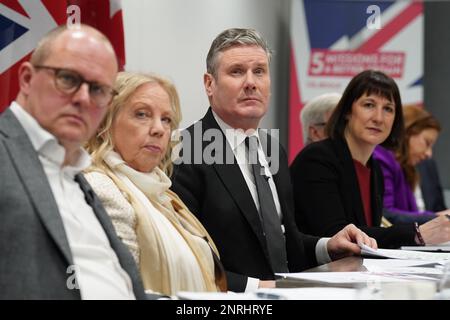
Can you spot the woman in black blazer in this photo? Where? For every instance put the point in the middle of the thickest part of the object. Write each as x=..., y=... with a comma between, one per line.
x=336, y=181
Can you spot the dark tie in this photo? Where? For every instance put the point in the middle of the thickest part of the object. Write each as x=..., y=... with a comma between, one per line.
x=270, y=220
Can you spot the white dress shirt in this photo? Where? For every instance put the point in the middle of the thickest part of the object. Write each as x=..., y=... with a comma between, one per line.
x=96, y=267
x=420, y=201
x=236, y=139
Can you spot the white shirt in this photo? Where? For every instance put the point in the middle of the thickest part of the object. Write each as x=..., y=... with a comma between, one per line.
x=236, y=139
x=419, y=198
x=96, y=267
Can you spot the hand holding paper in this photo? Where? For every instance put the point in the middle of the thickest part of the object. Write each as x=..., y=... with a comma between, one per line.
x=347, y=242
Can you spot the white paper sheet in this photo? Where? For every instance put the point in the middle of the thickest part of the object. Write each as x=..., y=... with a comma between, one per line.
x=275, y=294
x=353, y=277
x=323, y=293
x=404, y=254
x=444, y=247
x=371, y=264
x=187, y=295
x=427, y=248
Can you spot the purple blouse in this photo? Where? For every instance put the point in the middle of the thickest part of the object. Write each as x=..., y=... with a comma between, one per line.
x=398, y=196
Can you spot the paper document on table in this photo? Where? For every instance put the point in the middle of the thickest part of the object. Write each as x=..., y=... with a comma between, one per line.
x=421, y=267
x=427, y=248
x=403, y=254
x=330, y=293
x=423, y=271
x=440, y=247
x=322, y=293
x=351, y=277
x=371, y=264
x=274, y=294
x=188, y=295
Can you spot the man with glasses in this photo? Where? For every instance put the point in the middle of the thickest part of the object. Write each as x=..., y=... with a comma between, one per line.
x=56, y=241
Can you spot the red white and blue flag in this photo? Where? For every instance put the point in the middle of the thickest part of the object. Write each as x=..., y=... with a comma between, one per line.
x=24, y=22
x=331, y=41
x=106, y=16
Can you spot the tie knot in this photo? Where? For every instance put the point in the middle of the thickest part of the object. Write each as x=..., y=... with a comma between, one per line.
x=252, y=143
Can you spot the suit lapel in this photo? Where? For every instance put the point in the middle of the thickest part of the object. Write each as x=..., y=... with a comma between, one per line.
x=124, y=256
x=232, y=178
x=98, y=209
x=30, y=170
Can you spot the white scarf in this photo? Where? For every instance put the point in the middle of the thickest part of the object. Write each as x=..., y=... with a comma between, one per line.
x=184, y=271
x=153, y=184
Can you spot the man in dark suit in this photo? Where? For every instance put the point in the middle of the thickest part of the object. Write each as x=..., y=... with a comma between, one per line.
x=215, y=175
x=56, y=240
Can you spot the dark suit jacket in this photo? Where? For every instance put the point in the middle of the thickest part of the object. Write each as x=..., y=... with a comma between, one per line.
x=430, y=185
x=34, y=250
x=218, y=195
x=327, y=195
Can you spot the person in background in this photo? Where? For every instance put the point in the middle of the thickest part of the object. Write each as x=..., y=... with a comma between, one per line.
x=315, y=114
x=430, y=186
x=314, y=118
x=401, y=178
x=223, y=174
x=56, y=240
x=336, y=181
x=130, y=173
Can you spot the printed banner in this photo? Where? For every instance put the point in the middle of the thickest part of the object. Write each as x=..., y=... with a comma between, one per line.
x=332, y=41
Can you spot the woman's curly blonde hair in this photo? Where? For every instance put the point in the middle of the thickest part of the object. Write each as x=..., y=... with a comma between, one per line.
x=126, y=84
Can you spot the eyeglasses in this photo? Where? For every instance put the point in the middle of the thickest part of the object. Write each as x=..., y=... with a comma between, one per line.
x=320, y=124
x=69, y=82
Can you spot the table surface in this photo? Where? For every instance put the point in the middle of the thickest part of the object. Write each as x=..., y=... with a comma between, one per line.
x=422, y=289
x=347, y=264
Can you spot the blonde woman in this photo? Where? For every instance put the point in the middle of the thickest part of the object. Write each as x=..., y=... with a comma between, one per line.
x=130, y=173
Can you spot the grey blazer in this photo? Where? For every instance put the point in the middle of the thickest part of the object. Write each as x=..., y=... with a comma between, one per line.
x=34, y=250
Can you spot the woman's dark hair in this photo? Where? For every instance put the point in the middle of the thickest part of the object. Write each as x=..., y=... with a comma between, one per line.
x=368, y=82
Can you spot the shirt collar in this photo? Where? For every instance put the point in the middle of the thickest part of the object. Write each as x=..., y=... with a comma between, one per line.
x=45, y=143
x=37, y=135
x=235, y=137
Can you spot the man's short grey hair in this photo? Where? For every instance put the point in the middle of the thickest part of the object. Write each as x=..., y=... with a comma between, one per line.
x=314, y=111
x=231, y=38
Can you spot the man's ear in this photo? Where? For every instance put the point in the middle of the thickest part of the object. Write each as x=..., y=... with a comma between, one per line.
x=26, y=73
x=208, y=81
x=312, y=132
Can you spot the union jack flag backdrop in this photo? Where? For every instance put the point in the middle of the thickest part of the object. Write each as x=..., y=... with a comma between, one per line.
x=331, y=41
x=24, y=22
